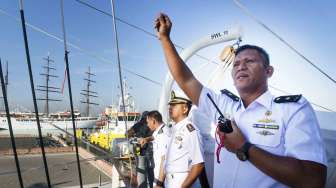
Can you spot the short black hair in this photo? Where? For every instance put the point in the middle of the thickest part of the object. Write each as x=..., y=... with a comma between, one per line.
x=260, y=50
x=155, y=115
x=143, y=117
x=189, y=105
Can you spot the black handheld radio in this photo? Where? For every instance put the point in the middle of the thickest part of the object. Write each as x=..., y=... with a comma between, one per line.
x=224, y=124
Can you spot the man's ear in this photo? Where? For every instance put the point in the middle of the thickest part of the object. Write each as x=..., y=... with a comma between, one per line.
x=185, y=109
x=269, y=71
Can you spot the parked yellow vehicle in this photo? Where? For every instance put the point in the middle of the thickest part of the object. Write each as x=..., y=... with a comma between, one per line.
x=79, y=133
x=94, y=138
x=104, y=139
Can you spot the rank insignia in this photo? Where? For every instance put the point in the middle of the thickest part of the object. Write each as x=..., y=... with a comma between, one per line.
x=190, y=128
x=265, y=133
x=288, y=98
x=161, y=130
x=231, y=95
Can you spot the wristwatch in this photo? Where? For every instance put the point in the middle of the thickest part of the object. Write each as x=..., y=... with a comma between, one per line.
x=242, y=153
x=159, y=183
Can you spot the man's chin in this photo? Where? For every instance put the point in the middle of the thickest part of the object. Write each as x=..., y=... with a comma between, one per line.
x=241, y=86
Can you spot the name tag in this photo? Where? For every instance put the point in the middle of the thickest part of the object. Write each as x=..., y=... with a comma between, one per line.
x=265, y=126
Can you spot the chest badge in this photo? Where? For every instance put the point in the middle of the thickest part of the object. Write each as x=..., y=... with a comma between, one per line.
x=265, y=133
x=267, y=122
x=265, y=126
x=268, y=113
x=178, y=139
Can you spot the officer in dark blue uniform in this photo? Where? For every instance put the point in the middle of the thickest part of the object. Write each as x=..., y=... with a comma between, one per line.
x=145, y=161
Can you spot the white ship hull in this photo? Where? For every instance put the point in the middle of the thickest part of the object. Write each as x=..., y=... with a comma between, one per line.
x=48, y=124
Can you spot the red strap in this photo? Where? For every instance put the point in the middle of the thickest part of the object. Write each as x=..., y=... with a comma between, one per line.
x=220, y=144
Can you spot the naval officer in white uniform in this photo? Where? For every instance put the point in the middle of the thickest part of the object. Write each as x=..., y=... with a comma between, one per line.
x=184, y=160
x=275, y=142
x=160, y=139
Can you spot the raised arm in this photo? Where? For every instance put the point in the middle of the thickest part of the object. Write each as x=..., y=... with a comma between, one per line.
x=179, y=70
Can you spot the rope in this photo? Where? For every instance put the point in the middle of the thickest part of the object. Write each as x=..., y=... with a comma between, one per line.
x=82, y=50
x=121, y=83
x=33, y=91
x=310, y=102
x=70, y=94
x=4, y=94
x=202, y=57
x=247, y=12
x=102, y=59
x=140, y=29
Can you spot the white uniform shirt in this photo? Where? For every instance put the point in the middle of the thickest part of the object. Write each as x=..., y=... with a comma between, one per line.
x=285, y=129
x=160, y=145
x=184, y=149
x=199, y=119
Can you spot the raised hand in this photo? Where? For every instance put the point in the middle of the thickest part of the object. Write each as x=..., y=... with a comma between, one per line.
x=163, y=26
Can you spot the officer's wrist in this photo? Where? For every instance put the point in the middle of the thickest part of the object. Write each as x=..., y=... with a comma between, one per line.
x=164, y=38
x=243, y=152
x=159, y=183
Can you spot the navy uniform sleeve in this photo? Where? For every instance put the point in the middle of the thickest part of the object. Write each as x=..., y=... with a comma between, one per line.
x=302, y=137
x=194, y=147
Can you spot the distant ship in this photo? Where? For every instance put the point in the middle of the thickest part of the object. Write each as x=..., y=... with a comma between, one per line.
x=52, y=121
x=118, y=115
x=114, y=123
x=60, y=120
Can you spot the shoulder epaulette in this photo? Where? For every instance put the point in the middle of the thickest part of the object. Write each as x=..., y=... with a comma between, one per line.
x=287, y=98
x=229, y=94
x=190, y=127
x=161, y=130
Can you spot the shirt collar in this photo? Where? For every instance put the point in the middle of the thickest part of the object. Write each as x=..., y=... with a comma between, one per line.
x=157, y=130
x=178, y=125
x=265, y=100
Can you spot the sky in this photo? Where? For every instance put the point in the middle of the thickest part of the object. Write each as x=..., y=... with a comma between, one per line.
x=307, y=25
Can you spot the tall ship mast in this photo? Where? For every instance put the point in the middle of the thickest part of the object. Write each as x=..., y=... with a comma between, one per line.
x=46, y=89
x=88, y=93
x=51, y=120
